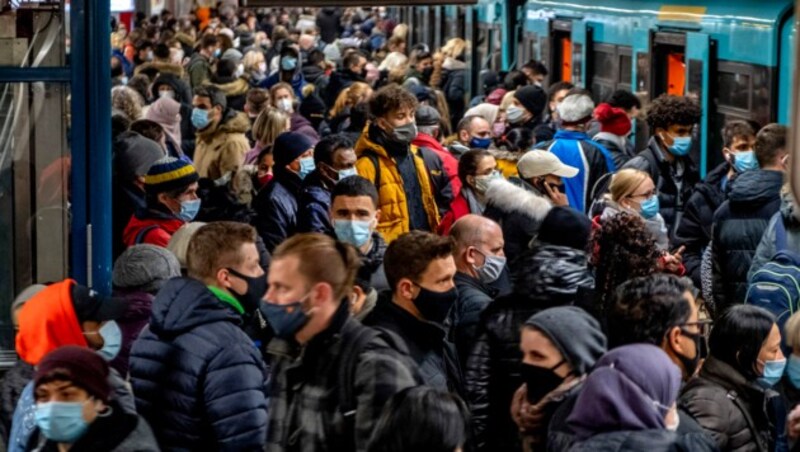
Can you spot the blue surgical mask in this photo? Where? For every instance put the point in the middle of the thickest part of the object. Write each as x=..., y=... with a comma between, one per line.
x=480, y=143
x=347, y=172
x=680, y=146
x=217, y=52
x=793, y=370
x=112, y=340
x=189, y=210
x=200, y=118
x=306, y=167
x=354, y=232
x=745, y=161
x=773, y=371
x=61, y=422
x=285, y=319
x=288, y=63
x=650, y=207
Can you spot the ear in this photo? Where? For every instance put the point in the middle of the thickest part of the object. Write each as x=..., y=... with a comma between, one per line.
x=673, y=341
x=468, y=255
x=405, y=288
x=319, y=293
x=463, y=136
x=378, y=215
x=223, y=278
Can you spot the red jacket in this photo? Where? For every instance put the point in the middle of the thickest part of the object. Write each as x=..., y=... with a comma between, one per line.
x=458, y=208
x=449, y=162
x=159, y=230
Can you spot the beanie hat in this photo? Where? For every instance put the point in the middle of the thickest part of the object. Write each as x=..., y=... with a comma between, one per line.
x=145, y=268
x=575, y=333
x=427, y=116
x=612, y=120
x=233, y=55
x=565, y=226
x=90, y=305
x=82, y=366
x=313, y=108
x=169, y=174
x=134, y=154
x=288, y=147
x=576, y=109
x=533, y=98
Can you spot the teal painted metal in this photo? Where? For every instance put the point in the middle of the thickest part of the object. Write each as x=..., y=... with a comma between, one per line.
x=697, y=52
x=640, y=48
x=579, y=53
x=788, y=35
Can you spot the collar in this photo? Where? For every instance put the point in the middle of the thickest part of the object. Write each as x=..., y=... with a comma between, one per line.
x=334, y=329
x=570, y=135
x=225, y=297
x=393, y=148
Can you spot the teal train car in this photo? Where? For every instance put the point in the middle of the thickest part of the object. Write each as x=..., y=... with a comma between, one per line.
x=735, y=57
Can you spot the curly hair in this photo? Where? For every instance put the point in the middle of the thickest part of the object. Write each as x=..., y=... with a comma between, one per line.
x=128, y=101
x=390, y=98
x=669, y=110
x=622, y=249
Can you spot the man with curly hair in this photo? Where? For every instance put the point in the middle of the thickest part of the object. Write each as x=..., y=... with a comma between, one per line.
x=666, y=158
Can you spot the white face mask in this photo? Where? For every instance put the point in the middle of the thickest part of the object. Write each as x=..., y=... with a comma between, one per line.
x=262, y=67
x=168, y=94
x=239, y=70
x=285, y=105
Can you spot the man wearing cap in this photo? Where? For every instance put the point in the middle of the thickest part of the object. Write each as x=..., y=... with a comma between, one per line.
x=171, y=200
x=573, y=147
x=542, y=173
x=276, y=206
x=220, y=143
x=428, y=135
x=527, y=107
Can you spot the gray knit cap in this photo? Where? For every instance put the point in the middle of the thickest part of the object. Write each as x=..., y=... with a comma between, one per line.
x=145, y=268
x=575, y=333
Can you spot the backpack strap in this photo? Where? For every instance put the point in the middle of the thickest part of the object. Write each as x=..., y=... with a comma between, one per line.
x=348, y=362
x=143, y=233
x=374, y=159
x=781, y=243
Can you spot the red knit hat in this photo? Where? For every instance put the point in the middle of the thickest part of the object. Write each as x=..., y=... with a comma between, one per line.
x=612, y=120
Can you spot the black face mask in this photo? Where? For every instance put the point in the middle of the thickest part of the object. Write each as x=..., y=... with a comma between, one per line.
x=256, y=289
x=540, y=380
x=434, y=306
x=701, y=352
x=426, y=74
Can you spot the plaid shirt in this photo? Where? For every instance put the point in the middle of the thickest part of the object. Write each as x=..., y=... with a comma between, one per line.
x=304, y=409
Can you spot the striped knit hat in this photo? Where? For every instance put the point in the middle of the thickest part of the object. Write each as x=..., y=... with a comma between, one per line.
x=169, y=174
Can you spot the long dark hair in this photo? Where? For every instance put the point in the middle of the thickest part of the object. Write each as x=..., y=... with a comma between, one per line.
x=737, y=337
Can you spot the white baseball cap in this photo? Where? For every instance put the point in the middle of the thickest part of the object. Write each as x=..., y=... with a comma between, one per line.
x=541, y=163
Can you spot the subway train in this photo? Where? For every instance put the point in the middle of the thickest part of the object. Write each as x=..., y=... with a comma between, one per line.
x=735, y=57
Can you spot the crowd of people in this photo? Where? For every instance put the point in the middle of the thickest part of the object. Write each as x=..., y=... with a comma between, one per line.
x=322, y=243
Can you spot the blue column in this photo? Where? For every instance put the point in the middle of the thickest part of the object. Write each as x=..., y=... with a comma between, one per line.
x=78, y=142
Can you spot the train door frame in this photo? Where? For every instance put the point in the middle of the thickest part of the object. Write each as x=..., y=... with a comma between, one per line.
x=663, y=51
x=559, y=31
x=582, y=37
x=700, y=66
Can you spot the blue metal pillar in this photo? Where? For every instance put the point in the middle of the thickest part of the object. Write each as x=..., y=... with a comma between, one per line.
x=78, y=142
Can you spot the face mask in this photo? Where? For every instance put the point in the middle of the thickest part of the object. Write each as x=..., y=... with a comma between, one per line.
x=61, y=422
x=306, y=167
x=680, y=146
x=189, y=210
x=149, y=56
x=540, y=380
x=514, y=114
x=745, y=161
x=498, y=129
x=426, y=73
x=237, y=43
x=123, y=80
x=650, y=207
x=217, y=53
x=167, y=94
x=288, y=63
x=793, y=370
x=285, y=320
x=239, y=71
x=112, y=340
x=347, y=172
x=491, y=269
x=200, y=118
x=256, y=288
x=674, y=427
x=701, y=352
x=480, y=143
x=405, y=134
x=262, y=67
x=285, y=105
x=354, y=232
x=482, y=182
x=773, y=371
x=264, y=180
x=434, y=306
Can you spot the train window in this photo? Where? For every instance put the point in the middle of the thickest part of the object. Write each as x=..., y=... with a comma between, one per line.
x=734, y=90
x=604, y=66
x=482, y=48
x=625, y=69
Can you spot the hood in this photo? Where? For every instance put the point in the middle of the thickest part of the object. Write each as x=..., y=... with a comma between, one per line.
x=312, y=72
x=509, y=198
x=184, y=39
x=608, y=137
x=237, y=87
x=756, y=186
x=174, y=82
x=162, y=67
x=425, y=140
x=139, y=304
x=149, y=217
x=232, y=122
x=552, y=272
x=184, y=304
x=452, y=64
x=298, y=121
x=366, y=144
x=509, y=156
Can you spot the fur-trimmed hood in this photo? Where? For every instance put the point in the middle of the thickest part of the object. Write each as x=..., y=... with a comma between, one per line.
x=508, y=197
x=162, y=67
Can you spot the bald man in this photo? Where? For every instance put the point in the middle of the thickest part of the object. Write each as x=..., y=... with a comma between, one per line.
x=480, y=262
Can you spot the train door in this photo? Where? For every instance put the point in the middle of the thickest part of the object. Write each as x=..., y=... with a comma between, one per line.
x=668, y=71
x=561, y=51
x=699, y=57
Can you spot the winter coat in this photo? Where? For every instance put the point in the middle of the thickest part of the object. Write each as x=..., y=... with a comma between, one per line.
x=671, y=199
x=137, y=314
x=154, y=227
x=11, y=387
x=507, y=162
x=298, y=123
x=199, y=69
x=646, y=440
x=546, y=276
x=276, y=208
x=183, y=94
x=198, y=379
x=519, y=212
x=575, y=149
x=449, y=163
x=738, y=226
x=766, y=249
x=118, y=431
x=328, y=22
x=620, y=148
x=454, y=86
x=235, y=90
x=392, y=200
x=314, y=205
x=473, y=297
x=730, y=408
x=441, y=183
x=305, y=409
x=317, y=77
x=371, y=270
x=340, y=80
x=458, y=208
x=220, y=148
x=427, y=343
x=694, y=230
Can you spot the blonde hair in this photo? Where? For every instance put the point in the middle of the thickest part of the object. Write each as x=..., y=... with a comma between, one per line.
x=625, y=182
x=128, y=101
x=508, y=98
x=252, y=59
x=791, y=331
x=281, y=85
x=454, y=48
x=400, y=31
x=354, y=94
x=270, y=123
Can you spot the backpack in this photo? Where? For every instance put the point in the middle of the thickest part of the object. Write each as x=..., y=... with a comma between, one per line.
x=776, y=286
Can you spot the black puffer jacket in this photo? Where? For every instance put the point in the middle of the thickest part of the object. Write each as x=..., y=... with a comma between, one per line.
x=672, y=201
x=646, y=440
x=473, y=298
x=725, y=404
x=621, y=149
x=738, y=226
x=546, y=276
x=453, y=85
x=276, y=208
x=694, y=230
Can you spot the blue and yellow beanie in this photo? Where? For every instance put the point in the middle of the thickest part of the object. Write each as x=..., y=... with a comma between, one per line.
x=169, y=174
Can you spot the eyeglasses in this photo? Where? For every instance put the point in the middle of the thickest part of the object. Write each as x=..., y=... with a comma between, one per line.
x=703, y=327
x=649, y=194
